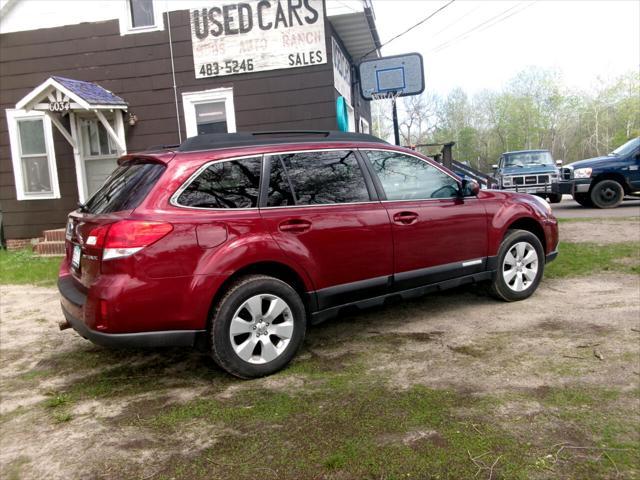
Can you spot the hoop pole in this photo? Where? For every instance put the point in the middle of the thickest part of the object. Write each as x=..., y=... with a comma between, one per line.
x=396, y=129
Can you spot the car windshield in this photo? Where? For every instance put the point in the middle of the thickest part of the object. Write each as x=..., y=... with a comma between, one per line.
x=526, y=159
x=627, y=148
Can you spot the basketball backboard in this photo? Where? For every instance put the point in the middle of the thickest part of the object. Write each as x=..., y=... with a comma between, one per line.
x=398, y=75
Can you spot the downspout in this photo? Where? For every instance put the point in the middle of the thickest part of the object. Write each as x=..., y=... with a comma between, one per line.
x=173, y=74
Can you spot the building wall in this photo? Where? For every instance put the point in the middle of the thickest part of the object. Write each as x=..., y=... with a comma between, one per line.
x=138, y=69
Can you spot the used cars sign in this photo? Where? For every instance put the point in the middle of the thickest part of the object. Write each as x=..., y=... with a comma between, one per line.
x=253, y=36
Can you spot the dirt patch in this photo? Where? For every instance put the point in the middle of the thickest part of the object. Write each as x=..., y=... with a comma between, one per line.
x=471, y=350
x=522, y=344
x=601, y=231
x=416, y=439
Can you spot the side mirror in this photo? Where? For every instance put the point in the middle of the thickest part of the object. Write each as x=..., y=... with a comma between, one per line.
x=494, y=166
x=470, y=188
x=559, y=163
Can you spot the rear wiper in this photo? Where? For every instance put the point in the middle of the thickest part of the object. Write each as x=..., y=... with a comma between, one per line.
x=82, y=207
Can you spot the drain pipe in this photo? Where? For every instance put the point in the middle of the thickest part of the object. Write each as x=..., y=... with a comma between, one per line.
x=173, y=73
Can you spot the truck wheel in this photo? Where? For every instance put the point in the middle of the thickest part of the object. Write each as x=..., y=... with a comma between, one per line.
x=607, y=194
x=257, y=326
x=520, y=266
x=555, y=197
x=583, y=199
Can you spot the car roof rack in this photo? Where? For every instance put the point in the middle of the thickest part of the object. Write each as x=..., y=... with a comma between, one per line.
x=240, y=139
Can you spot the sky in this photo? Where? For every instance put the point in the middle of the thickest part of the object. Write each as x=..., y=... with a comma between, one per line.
x=583, y=40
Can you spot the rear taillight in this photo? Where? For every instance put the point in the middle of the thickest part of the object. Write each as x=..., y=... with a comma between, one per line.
x=126, y=237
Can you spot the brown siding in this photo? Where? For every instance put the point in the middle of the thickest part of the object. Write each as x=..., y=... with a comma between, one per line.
x=138, y=68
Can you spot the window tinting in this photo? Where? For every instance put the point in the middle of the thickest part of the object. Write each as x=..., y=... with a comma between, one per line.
x=225, y=184
x=407, y=178
x=125, y=188
x=141, y=13
x=280, y=193
x=323, y=177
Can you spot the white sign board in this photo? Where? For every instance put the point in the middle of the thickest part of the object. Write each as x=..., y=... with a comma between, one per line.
x=341, y=71
x=252, y=36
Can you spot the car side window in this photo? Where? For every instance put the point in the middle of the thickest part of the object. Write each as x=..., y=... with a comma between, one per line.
x=404, y=177
x=225, y=184
x=317, y=178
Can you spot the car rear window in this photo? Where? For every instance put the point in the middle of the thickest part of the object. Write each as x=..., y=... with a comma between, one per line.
x=125, y=188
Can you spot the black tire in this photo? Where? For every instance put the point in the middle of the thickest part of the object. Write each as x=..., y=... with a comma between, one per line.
x=222, y=349
x=583, y=199
x=499, y=286
x=607, y=194
x=555, y=197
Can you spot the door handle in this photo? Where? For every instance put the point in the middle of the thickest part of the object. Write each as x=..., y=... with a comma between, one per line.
x=295, y=225
x=405, y=218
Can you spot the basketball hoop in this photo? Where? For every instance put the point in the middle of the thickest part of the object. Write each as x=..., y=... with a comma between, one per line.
x=388, y=78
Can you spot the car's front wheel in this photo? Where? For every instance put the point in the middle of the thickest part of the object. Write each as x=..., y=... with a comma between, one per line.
x=257, y=326
x=520, y=266
x=607, y=194
x=555, y=197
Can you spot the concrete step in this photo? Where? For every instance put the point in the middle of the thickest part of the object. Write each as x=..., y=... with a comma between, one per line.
x=56, y=235
x=49, y=248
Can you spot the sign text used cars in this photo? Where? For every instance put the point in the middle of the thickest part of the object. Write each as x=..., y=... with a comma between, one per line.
x=253, y=36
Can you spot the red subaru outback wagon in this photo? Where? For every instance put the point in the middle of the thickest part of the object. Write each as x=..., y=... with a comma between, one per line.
x=237, y=242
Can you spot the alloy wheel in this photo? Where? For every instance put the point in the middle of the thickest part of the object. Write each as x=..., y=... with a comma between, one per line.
x=520, y=266
x=261, y=328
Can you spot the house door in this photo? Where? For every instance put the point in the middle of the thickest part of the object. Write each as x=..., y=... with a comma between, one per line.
x=99, y=153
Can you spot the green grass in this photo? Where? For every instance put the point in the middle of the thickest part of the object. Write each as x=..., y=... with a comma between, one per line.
x=57, y=400
x=579, y=259
x=23, y=267
x=365, y=429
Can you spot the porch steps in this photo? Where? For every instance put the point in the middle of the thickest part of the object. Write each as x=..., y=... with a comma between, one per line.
x=52, y=244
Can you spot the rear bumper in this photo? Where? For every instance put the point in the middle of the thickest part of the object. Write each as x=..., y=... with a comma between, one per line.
x=72, y=302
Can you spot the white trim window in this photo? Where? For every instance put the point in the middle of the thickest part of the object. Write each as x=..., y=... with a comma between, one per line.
x=33, y=155
x=139, y=16
x=209, y=111
x=96, y=141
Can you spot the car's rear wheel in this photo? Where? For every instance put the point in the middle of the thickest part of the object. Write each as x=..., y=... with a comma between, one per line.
x=607, y=194
x=583, y=199
x=257, y=326
x=520, y=266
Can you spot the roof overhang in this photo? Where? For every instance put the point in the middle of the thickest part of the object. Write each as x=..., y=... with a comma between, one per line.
x=53, y=90
x=354, y=22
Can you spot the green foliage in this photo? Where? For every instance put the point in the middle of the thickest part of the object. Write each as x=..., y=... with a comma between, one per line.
x=534, y=110
x=23, y=267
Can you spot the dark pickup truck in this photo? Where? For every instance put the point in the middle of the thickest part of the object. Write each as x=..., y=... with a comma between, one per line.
x=603, y=182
